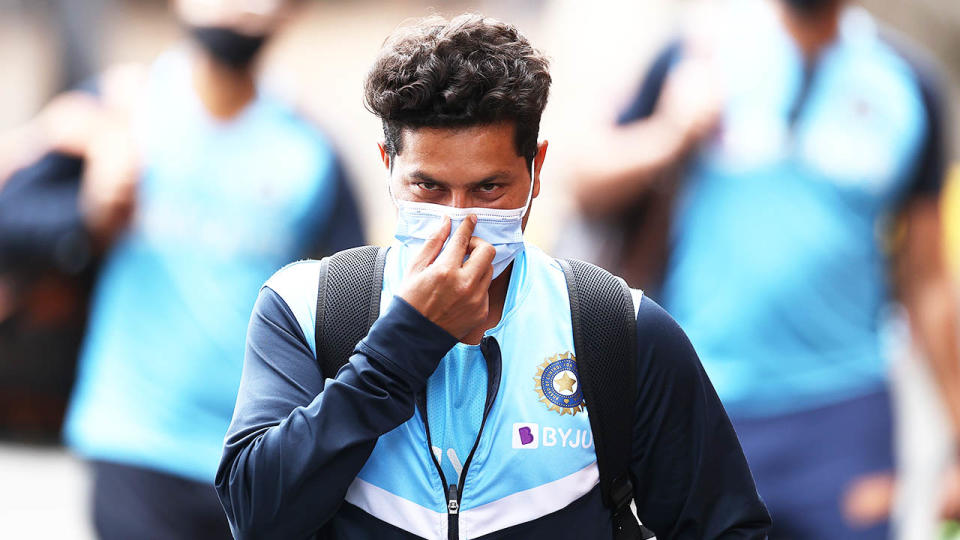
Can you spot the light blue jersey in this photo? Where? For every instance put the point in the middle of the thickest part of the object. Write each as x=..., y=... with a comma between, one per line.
x=220, y=206
x=778, y=272
x=534, y=458
x=513, y=488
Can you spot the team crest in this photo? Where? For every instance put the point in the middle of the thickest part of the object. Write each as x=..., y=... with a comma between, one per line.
x=558, y=385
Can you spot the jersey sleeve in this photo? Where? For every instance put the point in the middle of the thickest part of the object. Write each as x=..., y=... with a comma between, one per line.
x=927, y=176
x=690, y=476
x=297, y=441
x=929, y=172
x=645, y=100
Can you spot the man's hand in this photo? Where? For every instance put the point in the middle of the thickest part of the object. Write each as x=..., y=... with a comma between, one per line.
x=65, y=125
x=449, y=291
x=690, y=101
x=869, y=500
x=110, y=176
x=950, y=496
x=615, y=168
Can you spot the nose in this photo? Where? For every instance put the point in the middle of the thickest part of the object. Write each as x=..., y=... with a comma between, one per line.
x=459, y=199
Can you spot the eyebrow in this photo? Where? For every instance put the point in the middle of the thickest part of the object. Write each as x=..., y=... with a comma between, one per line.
x=424, y=177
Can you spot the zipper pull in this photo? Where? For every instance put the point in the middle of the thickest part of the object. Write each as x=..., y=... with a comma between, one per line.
x=453, y=506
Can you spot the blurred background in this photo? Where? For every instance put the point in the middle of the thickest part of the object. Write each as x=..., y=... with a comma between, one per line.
x=599, y=52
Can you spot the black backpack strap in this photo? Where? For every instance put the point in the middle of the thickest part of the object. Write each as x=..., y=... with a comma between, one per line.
x=604, y=339
x=348, y=303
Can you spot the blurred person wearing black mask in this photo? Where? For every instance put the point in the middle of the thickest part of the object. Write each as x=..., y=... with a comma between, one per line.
x=194, y=184
x=794, y=132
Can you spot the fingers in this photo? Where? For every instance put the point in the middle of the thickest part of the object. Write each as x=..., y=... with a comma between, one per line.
x=487, y=278
x=480, y=260
x=433, y=245
x=459, y=241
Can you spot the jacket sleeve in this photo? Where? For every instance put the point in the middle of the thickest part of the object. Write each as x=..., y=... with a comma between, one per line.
x=296, y=441
x=690, y=475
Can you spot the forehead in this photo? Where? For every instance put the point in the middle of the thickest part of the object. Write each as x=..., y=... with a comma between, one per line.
x=483, y=146
x=250, y=15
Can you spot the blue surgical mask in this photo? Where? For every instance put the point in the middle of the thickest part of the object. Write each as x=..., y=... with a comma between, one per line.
x=417, y=221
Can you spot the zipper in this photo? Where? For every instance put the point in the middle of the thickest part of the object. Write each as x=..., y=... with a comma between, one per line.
x=453, y=511
x=490, y=350
x=453, y=499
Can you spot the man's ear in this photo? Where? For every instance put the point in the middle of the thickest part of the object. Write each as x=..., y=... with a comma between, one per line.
x=384, y=155
x=537, y=165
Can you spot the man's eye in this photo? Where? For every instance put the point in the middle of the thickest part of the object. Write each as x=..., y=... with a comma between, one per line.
x=428, y=186
x=487, y=188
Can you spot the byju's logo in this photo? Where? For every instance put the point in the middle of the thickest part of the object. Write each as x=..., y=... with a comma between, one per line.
x=526, y=435
x=529, y=435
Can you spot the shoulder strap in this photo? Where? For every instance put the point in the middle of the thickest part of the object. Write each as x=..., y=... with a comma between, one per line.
x=604, y=339
x=348, y=303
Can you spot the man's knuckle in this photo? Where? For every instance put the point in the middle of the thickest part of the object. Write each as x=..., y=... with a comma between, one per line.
x=463, y=289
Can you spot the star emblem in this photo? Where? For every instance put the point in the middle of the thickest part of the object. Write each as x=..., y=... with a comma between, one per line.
x=565, y=383
x=557, y=385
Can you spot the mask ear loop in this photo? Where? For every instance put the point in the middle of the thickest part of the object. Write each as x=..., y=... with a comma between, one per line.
x=393, y=198
x=533, y=166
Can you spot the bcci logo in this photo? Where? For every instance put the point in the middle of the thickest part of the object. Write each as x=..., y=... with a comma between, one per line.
x=558, y=385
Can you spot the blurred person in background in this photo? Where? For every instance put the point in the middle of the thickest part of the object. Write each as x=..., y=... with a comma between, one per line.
x=194, y=185
x=797, y=134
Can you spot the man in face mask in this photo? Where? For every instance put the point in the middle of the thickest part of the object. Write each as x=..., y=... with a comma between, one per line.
x=194, y=186
x=459, y=415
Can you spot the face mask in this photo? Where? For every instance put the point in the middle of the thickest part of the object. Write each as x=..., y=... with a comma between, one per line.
x=227, y=46
x=808, y=6
x=417, y=221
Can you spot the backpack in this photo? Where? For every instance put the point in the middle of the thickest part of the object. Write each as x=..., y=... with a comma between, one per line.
x=604, y=337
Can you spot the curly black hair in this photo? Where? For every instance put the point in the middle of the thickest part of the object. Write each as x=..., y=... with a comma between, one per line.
x=470, y=70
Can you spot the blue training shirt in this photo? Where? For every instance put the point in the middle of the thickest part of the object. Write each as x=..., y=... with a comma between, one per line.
x=220, y=206
x=777, y=268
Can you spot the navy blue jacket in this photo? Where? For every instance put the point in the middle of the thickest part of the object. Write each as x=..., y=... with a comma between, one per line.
x=297, y=442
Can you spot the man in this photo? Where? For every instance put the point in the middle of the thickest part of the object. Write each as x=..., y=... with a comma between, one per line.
x=464, y=299
x=197, y=184
x=777, y=266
